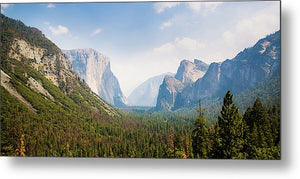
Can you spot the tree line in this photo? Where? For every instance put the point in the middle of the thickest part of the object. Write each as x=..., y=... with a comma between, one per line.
x=255, y=135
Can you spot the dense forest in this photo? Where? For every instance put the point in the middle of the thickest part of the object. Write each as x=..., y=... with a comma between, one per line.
x=255, y=135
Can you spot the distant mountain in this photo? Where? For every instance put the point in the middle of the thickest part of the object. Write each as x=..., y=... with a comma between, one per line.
x=94, y=68
x=249, y=68
x=146, y=93
x=187, y=73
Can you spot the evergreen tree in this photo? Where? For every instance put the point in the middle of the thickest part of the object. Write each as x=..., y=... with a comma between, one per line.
x=259, y=132
x=228, y=139
x=200, y=136
x=179, y=151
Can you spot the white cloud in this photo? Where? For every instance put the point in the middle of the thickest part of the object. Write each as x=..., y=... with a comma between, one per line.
x=50, y=6
x=195, y=6
x=5, y=5
x=46, y=23
x=97, y=31
x=166, y=25
x=179, y=44
x=59, y=30
x=203, y=7
x=161, y=6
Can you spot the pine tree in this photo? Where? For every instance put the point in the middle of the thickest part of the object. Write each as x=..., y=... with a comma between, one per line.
x=259, y=133
x=228, y=139
x=262, y=119
x=200, y=136
x=179, y=151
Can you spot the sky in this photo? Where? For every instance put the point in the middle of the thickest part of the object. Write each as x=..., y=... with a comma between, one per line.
x=146, y=39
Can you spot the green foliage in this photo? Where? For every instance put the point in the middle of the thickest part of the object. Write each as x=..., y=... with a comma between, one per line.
x=200, y=137
x=261, y=133
x=228, y=138
x=12, y=29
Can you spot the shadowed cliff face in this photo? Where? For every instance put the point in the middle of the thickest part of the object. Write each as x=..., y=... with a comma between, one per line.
x=248, y=68
x=168, y=91
x=94, y=68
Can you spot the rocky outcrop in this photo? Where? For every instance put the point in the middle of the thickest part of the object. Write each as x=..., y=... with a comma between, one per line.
x=38, y=87
x=94, y=68
x=54, y=66
x=203, y=87
x=168, y=91
x=5, y=83
x=189, y=72
x=146, y=93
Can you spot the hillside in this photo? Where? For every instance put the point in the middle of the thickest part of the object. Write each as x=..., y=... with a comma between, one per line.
x=38, y=84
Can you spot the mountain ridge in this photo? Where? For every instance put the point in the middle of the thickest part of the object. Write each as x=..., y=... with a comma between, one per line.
x=245, y=70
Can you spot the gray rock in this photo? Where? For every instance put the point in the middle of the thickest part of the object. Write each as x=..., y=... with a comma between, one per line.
x=168, y=91
x=249, y=68
x=188, y=72
x=94, y=68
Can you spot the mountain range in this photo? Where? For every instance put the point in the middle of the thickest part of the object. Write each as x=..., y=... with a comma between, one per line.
x=246, y=70
x=81, y=73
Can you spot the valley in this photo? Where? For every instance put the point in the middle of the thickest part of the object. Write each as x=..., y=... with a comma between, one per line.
x=69, y=103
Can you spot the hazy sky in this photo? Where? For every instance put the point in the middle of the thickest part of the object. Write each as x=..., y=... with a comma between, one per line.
x=147, y=39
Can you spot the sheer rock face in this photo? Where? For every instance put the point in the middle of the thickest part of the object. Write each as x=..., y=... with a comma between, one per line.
x=187, y=74
x=248, y=68
x=252, y=65
x=94, y=68
x=168, y=91
x=203, y=87
x=146, y=93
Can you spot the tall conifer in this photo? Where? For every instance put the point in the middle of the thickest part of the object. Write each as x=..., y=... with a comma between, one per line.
x=200, y=136
x=228, y=139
